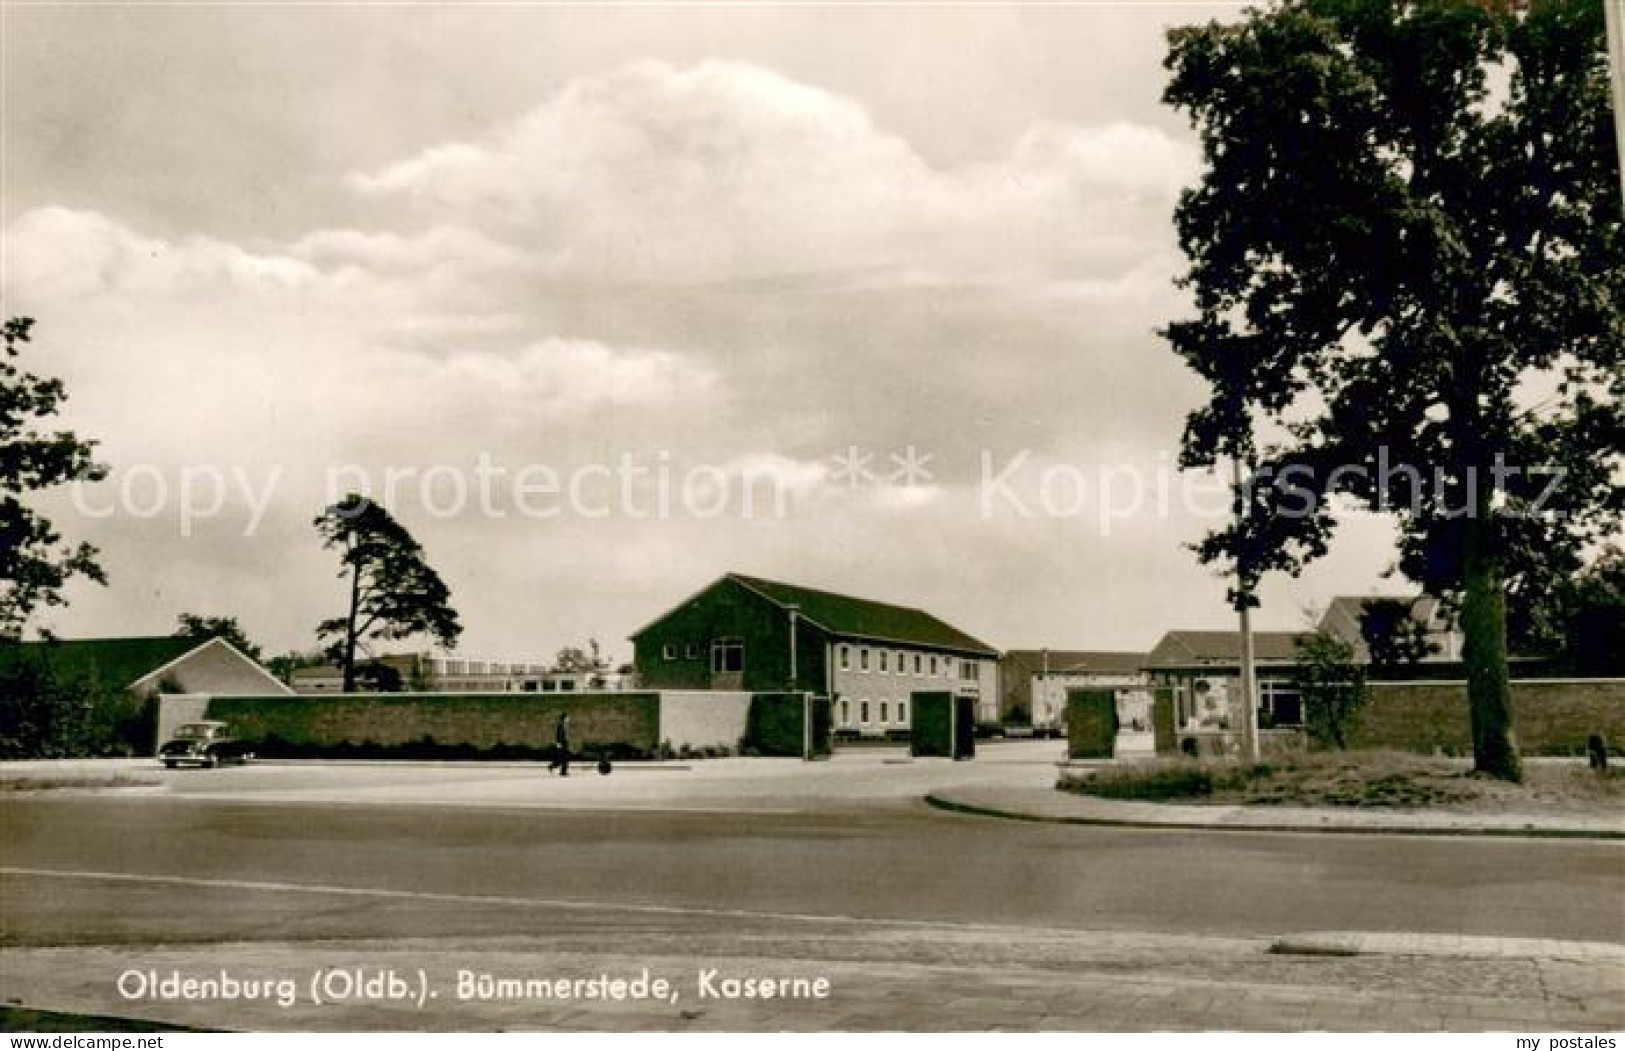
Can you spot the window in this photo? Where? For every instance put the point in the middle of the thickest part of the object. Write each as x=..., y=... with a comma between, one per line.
x=863, y=711
x=846, y=658
x=863, y=659
x=1282, y=703
x=919, y=664
x=727, y=655
x=968, y=671
x=691, y=651
x=902, y=711
x=668, y=652
x=933, y=664
x=567, y=685
x=883, y=711
x=885, y=660
x=902, y=663
x=846, y=712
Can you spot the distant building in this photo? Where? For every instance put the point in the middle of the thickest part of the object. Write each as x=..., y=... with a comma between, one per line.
x=445, y=673
x=746, y=633
x=1344, y=615
x=1204, y=667
x=1034, y=683
x=154, y=664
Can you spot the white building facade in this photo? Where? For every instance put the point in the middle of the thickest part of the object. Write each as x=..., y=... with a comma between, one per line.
x=872, y=682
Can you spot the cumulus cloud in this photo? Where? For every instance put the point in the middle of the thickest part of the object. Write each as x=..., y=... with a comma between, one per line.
x=728, y=171
x=714, y=265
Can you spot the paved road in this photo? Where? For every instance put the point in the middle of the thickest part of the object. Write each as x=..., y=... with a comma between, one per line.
x=903, y=863
x=922, y=919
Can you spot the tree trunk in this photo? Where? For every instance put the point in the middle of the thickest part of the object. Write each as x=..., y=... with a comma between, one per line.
x=349, y=629
x=1484, y=651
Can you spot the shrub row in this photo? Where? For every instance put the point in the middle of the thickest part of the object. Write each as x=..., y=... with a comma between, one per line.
x=427, y=748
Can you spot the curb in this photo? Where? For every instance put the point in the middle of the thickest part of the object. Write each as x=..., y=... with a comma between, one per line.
x=1469, y=947
x=953, y=806
x=644, y=765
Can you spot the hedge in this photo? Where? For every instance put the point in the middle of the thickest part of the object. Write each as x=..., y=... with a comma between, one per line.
x=933, y=714
x=1091, y=723
x=474, y=726
x=775, y=725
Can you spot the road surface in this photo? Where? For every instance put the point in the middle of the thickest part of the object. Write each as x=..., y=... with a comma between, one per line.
x=921, y=919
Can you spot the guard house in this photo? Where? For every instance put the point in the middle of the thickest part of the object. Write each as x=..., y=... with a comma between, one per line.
x=746, y=633
x=1204, y=667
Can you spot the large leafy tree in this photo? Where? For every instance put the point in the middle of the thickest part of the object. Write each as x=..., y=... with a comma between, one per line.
x=1408, y=274
x=1580, y=620
x=35, y=564
x=393, y=591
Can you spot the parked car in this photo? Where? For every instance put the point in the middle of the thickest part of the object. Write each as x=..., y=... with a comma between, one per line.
x=206, y=744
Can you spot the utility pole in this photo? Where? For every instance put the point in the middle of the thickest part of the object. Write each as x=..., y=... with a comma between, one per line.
x=794, y=687
x=1249, y=666
x=1043, y=688
x=1615, y=13
x=795, y=615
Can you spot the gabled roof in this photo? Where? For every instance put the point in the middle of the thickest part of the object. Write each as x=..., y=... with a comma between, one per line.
x=866, y=619
x=857, y=618
x=1077, y=662
x=1184, y=648
x=1345, y=613
x=114, y=663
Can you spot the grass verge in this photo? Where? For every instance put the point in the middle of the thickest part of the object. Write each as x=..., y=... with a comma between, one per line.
x=1355, y=779
x=45, y=784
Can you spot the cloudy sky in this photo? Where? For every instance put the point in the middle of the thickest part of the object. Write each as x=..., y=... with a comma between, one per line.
x=477, y=252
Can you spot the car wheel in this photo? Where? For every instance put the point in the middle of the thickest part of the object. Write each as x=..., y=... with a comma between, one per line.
x=210, y=762
x=169, y=764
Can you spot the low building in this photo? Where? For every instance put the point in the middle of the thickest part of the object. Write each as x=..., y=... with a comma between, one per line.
x=1204, y=668
x=155, y=664
x=1034, y=683
x=443, y=673
x=746, y=633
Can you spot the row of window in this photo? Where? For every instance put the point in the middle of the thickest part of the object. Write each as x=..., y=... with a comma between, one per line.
x=727, y=655
x=898, y=662
x=884, y=708
x=441, y=666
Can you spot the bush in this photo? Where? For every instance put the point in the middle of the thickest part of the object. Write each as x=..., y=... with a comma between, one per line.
x=49, y=715
x=1351, y=779
x=1178, y=780
x=427, y=749
x=1333, y=687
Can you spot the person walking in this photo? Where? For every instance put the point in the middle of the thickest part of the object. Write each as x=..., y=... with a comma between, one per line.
x=561, y=746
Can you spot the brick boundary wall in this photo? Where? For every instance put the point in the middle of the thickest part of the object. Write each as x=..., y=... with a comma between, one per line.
x=1549, y=716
